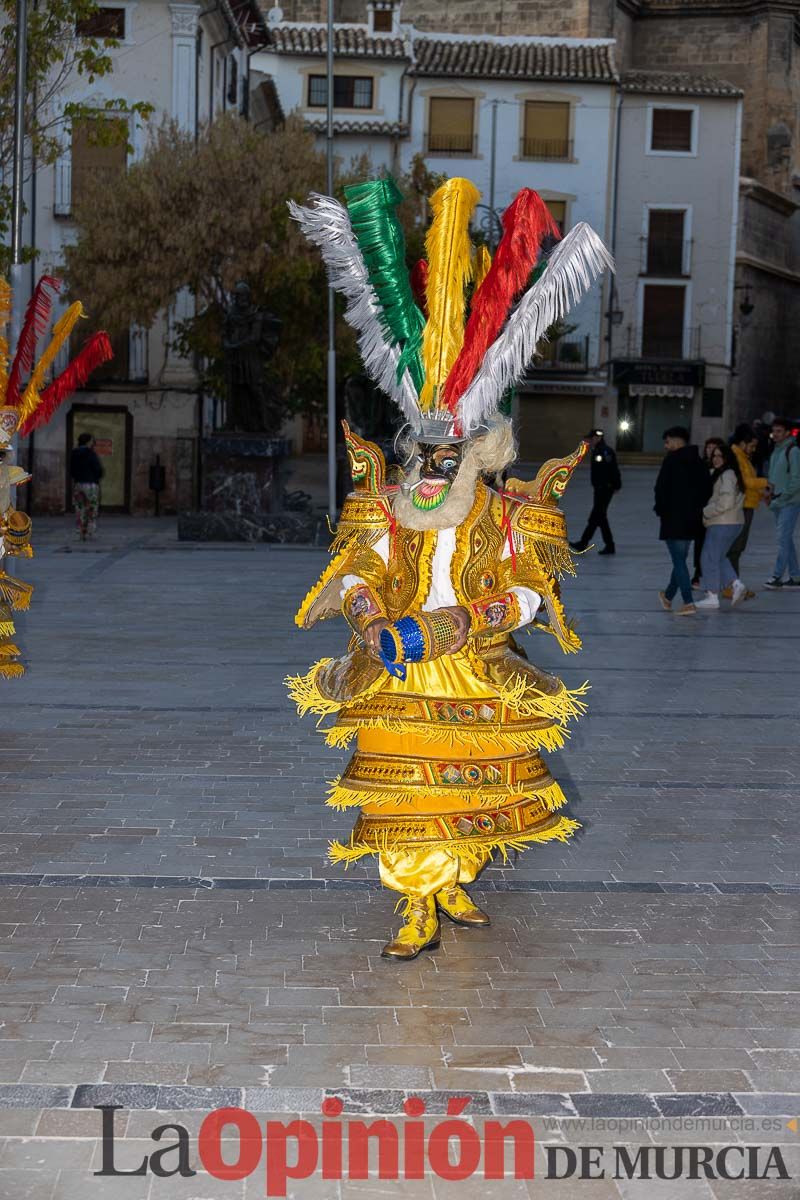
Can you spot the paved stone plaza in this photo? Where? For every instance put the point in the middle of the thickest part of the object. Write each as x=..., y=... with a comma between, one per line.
x=174, y=940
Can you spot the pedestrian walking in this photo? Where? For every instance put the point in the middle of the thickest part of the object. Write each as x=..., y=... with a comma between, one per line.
x=723, y=518
x=606, y=480
x=784, y=502
x=86, y=471
x=710, y=443
x=744, y=445
x=682, y=488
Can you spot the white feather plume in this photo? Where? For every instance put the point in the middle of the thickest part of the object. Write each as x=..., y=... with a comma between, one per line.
x=326, y=223
x=571, y=269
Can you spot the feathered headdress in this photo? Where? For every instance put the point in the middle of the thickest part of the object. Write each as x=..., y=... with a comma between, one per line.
x=25, y=401
x=447, y=340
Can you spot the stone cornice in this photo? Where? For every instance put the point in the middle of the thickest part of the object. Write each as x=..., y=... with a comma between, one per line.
x=767, y=196
x=643, y=9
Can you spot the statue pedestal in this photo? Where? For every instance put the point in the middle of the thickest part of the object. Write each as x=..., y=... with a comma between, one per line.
x=241, y=490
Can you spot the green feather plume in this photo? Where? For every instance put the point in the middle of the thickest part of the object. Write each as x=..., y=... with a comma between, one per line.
x=372, y=207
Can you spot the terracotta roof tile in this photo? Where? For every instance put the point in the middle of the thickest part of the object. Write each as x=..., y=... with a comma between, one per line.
x=388, y=128
x=514, y=60
x=348, y=41
x=676, y=83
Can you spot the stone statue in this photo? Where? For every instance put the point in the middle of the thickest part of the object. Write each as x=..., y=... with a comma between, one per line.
x=250, y=339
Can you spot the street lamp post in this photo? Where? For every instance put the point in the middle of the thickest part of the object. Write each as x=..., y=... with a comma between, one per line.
x=331, y=302
x=17, y=206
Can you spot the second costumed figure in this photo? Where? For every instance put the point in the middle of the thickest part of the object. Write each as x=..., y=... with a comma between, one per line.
x=435, y=575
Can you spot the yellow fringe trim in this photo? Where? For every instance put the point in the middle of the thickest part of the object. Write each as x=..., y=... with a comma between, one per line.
x=308, y=698
x=470, y=850
x=340, y=796
x=11, y=670
x=9, y=650
x=7, y=629
x=15, y=592
x=526, y=700
x=501, y=737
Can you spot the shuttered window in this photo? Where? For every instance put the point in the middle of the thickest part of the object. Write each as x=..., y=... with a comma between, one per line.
x=105, y=23
x=672, y=130
x=665, y=241
x=662, y=321
x=94, y=164
x=546, y=130
x=451, y=125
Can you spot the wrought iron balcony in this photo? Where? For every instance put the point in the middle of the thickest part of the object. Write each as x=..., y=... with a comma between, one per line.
x=562, y=354
x=546, y=149
x=453, y=145
x=655, y=342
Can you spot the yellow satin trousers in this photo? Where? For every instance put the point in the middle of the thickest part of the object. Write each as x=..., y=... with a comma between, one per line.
x=425, y=872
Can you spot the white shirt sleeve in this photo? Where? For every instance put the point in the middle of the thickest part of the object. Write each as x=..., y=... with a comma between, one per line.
x=529, y=601
x=529, y=604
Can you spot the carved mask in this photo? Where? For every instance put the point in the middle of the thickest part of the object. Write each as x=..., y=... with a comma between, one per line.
x=439, y=466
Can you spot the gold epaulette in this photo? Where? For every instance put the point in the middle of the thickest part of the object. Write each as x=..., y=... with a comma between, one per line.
x=365, y=518
x=542, y=530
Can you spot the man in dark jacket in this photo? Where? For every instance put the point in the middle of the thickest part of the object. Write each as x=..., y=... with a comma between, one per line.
x=683, y=487
x=606, y=480
x=86, y=471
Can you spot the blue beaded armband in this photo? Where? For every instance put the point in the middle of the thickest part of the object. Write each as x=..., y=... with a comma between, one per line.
x=404, y=641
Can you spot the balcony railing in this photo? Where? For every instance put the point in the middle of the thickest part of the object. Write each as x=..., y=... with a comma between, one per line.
x=563, y=354
x=666, y=256
x=547, y=149
x=657, y=343
x=456, y=145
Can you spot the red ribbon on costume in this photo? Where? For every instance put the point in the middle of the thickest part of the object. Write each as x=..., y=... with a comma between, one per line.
x=390, y=517
x=505, y=525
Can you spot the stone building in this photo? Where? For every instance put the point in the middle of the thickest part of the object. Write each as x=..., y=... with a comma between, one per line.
x=506, y=113
x=648, y=159
x=753, y=45
x=191, y=63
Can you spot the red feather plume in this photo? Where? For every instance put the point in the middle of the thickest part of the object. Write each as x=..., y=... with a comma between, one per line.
x=419, y=284
x=96, y=351
x=526, y=222
x=37, y=315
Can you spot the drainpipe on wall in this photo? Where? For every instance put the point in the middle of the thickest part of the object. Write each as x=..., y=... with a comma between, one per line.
x=614, y=206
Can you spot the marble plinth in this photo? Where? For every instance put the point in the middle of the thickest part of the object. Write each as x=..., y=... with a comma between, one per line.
x=282, y=527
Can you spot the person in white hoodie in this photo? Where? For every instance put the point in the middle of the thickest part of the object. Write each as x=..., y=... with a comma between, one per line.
x=723, y=518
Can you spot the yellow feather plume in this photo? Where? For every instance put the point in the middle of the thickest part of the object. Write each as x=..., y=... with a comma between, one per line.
x=61, y=331
x=483, y=260
x=450, y=268
x=5, y=313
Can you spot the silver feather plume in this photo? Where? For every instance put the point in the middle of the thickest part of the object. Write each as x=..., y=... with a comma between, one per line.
x=571, y=269
x=326, y=223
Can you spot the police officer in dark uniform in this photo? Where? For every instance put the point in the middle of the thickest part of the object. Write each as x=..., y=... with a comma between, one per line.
x=606, y=480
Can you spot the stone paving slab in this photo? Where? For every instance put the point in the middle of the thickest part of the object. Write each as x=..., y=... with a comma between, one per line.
x=172, y=939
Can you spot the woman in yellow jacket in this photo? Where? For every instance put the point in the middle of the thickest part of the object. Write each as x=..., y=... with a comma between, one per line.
x=743, y=444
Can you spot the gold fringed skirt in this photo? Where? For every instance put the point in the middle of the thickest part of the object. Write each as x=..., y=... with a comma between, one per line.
x=448, y=762
x=9, y=651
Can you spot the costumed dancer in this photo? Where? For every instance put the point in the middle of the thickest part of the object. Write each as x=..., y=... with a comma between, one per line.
x=436, y=575
x=26, y=403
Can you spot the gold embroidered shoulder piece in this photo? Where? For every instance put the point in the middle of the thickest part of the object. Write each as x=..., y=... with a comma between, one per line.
x=541, y=557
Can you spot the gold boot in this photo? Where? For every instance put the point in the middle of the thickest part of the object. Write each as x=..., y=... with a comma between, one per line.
x=420, y=931
x=456, y=904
